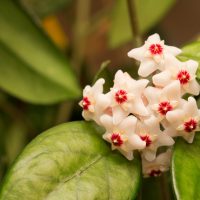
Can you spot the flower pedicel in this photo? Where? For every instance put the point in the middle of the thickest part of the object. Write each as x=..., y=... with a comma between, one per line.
x=144, y=118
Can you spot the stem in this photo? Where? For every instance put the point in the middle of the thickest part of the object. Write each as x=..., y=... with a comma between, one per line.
x=164, y=187
x=79, y=42
x=134, y=23
x=80, y=31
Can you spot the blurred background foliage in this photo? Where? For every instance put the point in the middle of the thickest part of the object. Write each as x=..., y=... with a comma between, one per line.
x=50, y=49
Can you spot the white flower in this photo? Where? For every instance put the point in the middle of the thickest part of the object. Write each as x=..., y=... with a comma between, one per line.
x=163, y=100
x=122, y=136
x=94, y=102
x=126, y=96
x=184, y=122
x=153, y=55
x=157, y=166
x=184, y=72
x=149, y=131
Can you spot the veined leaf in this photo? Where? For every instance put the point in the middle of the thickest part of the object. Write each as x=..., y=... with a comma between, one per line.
x=148, y=13
x=71, y=161
x=186, y=169
x=31, y=67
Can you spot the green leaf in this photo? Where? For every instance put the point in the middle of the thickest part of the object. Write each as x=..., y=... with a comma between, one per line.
x=148, y=12
x=71, y=161
x=186, y=169
x=191, y=51
x=106, y=74
x=45, y=7
x=31, y=67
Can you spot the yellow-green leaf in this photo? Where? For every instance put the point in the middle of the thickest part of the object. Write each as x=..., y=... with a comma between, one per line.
x=31, y=67
x=71, y=161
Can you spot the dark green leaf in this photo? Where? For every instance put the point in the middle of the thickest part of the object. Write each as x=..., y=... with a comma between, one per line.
x=191, y=51
x=31, y=68
x=71, y=161
x=106, y=74
x=45, y=7
x=186, y=169
x=148, y=13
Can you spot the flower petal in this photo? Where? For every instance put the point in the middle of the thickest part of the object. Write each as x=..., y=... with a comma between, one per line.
x=193, y=88
x=192, y=66
x=137, y=53
x=190, y=108
x=136, y=142
x=162, y=79
x=147, y=67
x=175, y=117
x=107, y=122
x=128, y=124
x=155, y=38
x=172, y=91
x=173, y=50
x=118, y=114
x=152, y=94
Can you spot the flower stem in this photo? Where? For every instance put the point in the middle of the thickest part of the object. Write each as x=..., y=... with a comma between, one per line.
x=134, y=23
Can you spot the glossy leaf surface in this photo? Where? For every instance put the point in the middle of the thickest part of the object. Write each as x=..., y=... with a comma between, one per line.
x=71, y=161
x=186, y=169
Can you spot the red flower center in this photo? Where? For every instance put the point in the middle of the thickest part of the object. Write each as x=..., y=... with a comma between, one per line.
x=121, y=96
x=183, y=76
x=116, y=139
x=147, y=139
x=164, y=107
x=155, y=173
x=156, y=49
x=190, y=125
x=86, y=103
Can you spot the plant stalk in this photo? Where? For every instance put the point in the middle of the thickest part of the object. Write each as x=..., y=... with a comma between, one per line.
x=134, y=23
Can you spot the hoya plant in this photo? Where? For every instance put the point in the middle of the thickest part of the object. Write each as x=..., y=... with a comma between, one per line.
x=72, y=131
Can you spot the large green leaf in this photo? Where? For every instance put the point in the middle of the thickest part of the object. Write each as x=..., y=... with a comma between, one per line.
x=71, y=161
x=148, y=13
x=186, y=169
x=31, y=68
x=45, y=7
x=191, y=51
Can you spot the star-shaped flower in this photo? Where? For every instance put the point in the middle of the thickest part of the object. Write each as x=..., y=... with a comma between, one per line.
x=184, y=72
x=163, y=100
x=157, y=166
x=184, y=122
x=126, y=97
x=153, y=55
x=94, y=102
x=149, y=131
x=122, y=136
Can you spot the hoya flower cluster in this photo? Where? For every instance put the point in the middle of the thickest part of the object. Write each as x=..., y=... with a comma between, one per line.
x=144, y=116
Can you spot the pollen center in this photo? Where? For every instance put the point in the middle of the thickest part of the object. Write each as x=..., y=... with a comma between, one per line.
x=164, y=107
x=121, y=96
x=190, y=125
x=86, y=103
x=116, y=139
x=156, y=49
x=183, y=76
x=147, y=139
